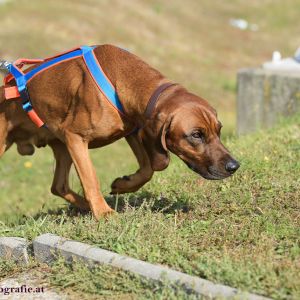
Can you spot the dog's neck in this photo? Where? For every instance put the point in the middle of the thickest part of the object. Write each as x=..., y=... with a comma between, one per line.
x=135, y=81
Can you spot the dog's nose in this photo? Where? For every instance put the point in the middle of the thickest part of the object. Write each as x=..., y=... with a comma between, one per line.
x=232, y=166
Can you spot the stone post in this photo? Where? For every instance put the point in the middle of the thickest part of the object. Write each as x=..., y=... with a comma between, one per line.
x=264, y=96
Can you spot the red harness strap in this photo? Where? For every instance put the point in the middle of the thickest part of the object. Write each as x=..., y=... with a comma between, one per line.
x=11, y=92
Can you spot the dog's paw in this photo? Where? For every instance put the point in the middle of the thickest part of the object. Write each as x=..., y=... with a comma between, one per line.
x=104, y=213
x=123, y=185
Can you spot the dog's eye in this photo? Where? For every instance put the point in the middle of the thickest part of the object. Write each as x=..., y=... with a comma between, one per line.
x=198, y=135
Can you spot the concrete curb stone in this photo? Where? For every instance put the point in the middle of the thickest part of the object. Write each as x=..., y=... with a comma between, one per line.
x=48, y=246
x=14, y=248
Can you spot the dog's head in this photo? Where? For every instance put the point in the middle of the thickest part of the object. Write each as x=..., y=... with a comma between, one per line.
x=188, y=126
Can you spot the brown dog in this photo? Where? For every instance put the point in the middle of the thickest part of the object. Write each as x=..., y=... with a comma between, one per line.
x=79, y=117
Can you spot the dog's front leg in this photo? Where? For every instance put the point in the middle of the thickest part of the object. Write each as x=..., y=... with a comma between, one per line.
x=133, y=182
x=78, y=149
x=60, y=186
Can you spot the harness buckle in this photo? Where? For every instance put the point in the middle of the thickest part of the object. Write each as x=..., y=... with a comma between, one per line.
x=5, y=66
x=26, y=104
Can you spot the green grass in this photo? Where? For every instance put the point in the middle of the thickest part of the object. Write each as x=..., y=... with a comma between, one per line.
x=191, y=43
x=243, y=231
x=112, y=283
x=100, y=282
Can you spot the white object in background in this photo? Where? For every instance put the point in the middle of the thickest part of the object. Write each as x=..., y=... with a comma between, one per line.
x=276, y=57
x=285, y=64
x=243, y=24
x=239, y=23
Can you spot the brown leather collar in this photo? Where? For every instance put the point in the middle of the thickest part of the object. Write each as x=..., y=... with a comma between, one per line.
x=154, y=98
x=151, y=104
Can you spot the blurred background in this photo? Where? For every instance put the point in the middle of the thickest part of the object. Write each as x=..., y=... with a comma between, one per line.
x=195, y=43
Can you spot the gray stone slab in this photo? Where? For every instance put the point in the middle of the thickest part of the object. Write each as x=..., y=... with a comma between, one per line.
x=48, y=246
x=264, y=96
x=14, y=248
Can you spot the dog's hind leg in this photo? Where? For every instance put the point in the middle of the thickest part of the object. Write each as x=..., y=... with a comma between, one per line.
x=60, y=186
x=78, y=149
x=4, y=144
x=133, y=182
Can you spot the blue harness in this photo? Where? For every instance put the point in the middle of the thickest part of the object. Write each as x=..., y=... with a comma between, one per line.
x=21, y=78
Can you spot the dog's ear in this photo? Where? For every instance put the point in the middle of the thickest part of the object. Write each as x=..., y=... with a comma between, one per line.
x=153, y=137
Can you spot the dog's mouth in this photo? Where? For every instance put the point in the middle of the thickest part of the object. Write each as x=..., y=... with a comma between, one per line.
x=210, y=174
